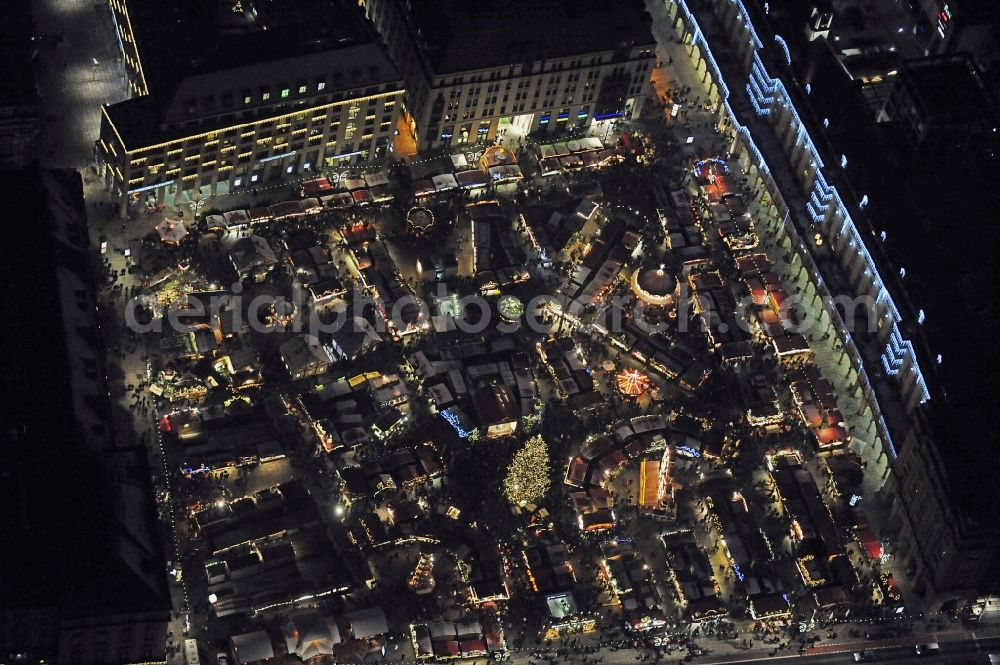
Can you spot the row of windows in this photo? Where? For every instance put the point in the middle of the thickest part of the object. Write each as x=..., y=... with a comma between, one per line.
x=528, y=74
x=122, y=21
x=564, y=114
x=553, y=84
x=186, y=171
x=125, y=35
x=264, y=114
x=551, y=96
x=452, y=113
x=535, y=68
x=243, y=176
x=283, y=91
x=314, y=123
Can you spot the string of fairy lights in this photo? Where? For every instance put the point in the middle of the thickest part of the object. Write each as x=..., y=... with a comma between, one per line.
x=169, y=500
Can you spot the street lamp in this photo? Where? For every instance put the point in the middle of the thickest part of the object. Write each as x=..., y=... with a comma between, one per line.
x=197, y=205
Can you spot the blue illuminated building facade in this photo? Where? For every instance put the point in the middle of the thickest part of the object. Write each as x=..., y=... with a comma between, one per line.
x=943, y=556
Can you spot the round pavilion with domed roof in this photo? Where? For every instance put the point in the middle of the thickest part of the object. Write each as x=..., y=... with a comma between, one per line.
x=654, y=286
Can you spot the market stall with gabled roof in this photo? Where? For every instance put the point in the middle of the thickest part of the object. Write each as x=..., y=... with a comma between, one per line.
x=353, y=182
x=422, y=187
x=506, y=173
x=444, y=182
x=236, y=219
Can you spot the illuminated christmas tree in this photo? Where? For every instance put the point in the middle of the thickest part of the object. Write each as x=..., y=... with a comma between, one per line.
x=528, y=474
x=422, y=582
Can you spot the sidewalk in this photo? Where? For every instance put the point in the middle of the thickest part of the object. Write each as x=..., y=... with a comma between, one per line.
x=136, y=421
x=72, y=87
x=676, y=73
x=720, y=652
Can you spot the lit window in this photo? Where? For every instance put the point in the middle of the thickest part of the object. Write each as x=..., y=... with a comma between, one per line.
x=266, y=96
x=237, y=182
x=302, y=89
x=289, y=169
x=321, y=85
x=284, y=93
x=307, y=166
x=247, y=100
x=253, y=178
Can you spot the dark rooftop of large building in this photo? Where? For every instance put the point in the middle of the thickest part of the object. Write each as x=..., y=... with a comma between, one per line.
x=939, y=219
x=947, y=88
x=79, y=520
x=17, y=55
x=462, y=35
x=177, y=38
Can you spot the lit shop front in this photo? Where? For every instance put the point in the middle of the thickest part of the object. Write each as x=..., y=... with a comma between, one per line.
x=656, y=487
x=566, y=617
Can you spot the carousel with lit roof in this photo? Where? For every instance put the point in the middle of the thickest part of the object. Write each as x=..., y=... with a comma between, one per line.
x=657, y=289
x=632, y=383
x=420, y=221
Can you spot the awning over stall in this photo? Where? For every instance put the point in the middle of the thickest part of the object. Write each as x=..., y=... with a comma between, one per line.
x=444, y=182
x=423, y=187
x=472, y=179
x=505, y=173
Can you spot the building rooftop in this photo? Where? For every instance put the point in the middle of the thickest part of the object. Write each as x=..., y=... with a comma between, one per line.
x=80, y=511
x=654, y=285
x=935, y=231
x=142, y=122
x=462, y=35
x=947, y=88
x=17, y=61
x=135, y=123
x=933, y=215
x=495, y=405
x=179, y=38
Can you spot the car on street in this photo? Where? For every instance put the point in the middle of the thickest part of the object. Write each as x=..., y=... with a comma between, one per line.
x=864, y=656
x=926, y=648
x=222, y=657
